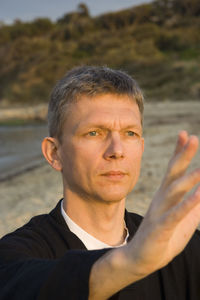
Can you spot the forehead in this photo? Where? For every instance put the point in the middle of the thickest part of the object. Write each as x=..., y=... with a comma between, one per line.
x=105, y=109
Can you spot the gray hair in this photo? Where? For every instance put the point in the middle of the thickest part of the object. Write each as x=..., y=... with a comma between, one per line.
x=89, y=81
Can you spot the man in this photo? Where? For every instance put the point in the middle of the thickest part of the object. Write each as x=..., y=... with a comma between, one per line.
x=95, y=141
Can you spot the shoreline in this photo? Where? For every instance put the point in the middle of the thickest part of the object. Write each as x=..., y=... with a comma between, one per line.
x=28, y=168
x=20, y=149
x=25, y=113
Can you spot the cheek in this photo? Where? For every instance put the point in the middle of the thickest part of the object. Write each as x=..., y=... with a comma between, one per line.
x=135, y=152
x=81, y=160
x=134, y=161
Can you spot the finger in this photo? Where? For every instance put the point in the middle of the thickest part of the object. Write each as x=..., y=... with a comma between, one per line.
x=180, y=187
x=180, y=161
x=183, y=209
x=181, y=141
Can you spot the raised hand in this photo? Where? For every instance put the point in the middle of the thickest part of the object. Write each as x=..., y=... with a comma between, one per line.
x=172, y=216
x=164, y=232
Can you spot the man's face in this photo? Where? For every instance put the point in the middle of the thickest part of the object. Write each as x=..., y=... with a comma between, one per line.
x=101, y=147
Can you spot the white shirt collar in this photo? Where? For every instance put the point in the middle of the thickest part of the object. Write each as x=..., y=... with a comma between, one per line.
x=90, y=242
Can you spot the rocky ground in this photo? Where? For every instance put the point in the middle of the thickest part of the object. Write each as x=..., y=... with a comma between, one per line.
x=38, y=190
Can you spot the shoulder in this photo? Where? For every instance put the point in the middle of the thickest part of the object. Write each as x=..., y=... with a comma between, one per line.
x=37, y=237
x=40, y=224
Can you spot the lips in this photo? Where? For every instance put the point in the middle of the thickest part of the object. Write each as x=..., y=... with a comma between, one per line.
x=115, y=175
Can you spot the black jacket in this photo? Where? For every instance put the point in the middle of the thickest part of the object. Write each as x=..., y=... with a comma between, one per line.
x=45, y=260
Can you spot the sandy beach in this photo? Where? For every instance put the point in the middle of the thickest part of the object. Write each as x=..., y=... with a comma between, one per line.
x=37, y=190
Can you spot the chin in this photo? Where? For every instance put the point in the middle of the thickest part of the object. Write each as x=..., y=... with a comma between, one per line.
x=112, y=197
x=114, y=192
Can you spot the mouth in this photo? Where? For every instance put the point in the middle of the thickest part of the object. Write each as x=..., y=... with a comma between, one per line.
x=114, y=175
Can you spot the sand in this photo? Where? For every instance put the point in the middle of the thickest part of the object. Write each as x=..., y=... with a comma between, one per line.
x=37, y=191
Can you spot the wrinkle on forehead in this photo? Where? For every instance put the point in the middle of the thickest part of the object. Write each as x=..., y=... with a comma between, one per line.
x=108, y=111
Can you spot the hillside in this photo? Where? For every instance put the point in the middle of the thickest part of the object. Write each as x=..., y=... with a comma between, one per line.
x=157, y=43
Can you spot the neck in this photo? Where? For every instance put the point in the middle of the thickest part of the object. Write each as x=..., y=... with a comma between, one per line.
x=104, y=221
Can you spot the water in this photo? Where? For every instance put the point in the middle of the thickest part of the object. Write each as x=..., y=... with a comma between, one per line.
x=20, y=148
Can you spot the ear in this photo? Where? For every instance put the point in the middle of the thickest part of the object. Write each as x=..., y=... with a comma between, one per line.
x=50, y=152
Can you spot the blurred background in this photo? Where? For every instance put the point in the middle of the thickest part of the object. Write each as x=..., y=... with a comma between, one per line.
x=157, y=42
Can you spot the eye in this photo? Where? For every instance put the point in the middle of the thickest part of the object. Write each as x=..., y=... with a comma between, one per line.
x=93, y=133
x=130, y=133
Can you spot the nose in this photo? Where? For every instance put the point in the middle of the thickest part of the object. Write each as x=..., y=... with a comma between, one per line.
x=114, y=148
